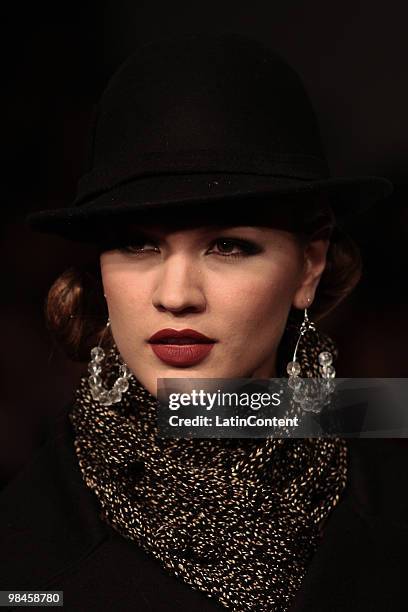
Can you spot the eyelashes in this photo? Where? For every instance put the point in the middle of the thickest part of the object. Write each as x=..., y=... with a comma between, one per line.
x=246, y=247
x=224, y=246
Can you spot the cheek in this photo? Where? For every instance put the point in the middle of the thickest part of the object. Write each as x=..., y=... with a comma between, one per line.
x=126, y=297
x=258, y=301
x=127, y=302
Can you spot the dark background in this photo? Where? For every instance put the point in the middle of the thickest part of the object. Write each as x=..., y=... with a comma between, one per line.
x=352, y=56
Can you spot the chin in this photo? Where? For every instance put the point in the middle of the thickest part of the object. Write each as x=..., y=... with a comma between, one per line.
x=191, y=372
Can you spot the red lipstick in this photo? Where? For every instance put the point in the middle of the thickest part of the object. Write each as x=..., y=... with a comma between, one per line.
x=180, y=348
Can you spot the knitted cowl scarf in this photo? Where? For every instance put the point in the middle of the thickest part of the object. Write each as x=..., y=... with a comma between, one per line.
x=238, y=519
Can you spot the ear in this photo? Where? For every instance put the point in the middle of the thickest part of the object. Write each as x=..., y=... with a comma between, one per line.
x=315, y=253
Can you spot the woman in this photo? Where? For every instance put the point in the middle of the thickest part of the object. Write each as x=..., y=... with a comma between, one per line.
x=214, y=222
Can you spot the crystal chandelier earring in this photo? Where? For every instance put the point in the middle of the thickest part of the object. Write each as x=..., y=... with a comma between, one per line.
x=303, y=393
x=99, y=392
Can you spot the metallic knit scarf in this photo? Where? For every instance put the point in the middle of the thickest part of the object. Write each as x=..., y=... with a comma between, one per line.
x=238, y=519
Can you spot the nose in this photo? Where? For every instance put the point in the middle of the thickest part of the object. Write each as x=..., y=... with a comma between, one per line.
x=179, y=287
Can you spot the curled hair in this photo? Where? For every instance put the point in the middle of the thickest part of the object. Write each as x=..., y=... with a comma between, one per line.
x=76, y=312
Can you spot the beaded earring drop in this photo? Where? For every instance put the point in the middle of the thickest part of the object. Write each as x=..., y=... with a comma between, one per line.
x=301, y=393
x=99, y=392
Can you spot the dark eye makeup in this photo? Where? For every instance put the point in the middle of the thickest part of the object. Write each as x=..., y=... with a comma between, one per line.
x=223, y=246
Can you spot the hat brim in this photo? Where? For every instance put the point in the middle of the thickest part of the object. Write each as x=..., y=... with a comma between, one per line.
x=347, y=196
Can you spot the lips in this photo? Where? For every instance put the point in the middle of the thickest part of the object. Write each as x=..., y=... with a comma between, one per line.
x=179, y=336
x=181, y=348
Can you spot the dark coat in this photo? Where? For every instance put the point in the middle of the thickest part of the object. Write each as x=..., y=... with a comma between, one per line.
x=51, y=537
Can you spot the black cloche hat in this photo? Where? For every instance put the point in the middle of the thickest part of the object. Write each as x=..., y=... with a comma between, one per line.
x=203, y=120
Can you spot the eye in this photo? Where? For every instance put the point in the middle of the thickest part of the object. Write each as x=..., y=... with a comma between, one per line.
x=139, y=246
x=234, y=247
x=223, y=247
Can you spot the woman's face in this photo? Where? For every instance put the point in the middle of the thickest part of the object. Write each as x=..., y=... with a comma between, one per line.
x=233, y=284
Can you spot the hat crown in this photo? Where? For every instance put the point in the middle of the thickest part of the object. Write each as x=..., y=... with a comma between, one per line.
x=199, y=121
x=222, y=94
